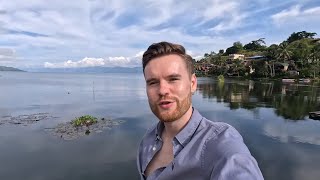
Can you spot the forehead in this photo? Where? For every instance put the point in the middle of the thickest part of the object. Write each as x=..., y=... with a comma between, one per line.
x=166, y=65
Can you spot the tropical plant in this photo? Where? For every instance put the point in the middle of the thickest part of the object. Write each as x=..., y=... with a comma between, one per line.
x=284, y=54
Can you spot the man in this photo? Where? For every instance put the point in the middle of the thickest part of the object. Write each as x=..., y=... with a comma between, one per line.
x=184, y=144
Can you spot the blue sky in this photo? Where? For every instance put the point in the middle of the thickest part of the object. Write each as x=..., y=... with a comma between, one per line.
x=82, y=33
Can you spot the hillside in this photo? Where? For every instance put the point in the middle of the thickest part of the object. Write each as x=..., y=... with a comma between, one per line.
x=5, y=68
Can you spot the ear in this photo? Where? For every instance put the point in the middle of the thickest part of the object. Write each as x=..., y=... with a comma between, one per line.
x=193, y=83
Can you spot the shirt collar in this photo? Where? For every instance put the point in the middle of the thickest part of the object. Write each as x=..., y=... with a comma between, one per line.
x=185, y=135
x=187, y=132
x=159, y=130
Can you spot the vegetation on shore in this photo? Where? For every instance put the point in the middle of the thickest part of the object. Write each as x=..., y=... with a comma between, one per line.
x=296, y=57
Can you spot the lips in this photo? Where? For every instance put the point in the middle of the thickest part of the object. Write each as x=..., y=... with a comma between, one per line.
x=165, y=104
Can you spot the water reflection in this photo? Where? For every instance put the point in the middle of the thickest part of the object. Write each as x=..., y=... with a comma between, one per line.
x=272, y=118
x=291, y=101
x=268, y=116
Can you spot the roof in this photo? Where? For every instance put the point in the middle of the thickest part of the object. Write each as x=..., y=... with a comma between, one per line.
x=256, y=57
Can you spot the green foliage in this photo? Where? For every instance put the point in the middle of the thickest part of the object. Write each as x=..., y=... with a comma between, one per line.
x=84, y=120
x=295, y=105
x=221, y=78
x=236, y=48
x=254, y=45
x=272, y=51
x=301, y=51
x=300, y=35
x=284, y=53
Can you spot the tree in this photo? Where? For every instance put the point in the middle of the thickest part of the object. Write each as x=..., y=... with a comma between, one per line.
x=255, y=45
x=236, y=48
x=315, y=53
x=221, y=51
x=284, y=54
x=239, y=67
x=295, y=36
x=271, y=54
x=206, y=55
x=315, y=56
x=272, y=51
x=208, y=58
x=261, y=68
x=301, y=50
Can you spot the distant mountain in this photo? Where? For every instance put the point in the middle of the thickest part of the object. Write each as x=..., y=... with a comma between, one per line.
x=5, y=68
x=89, y=70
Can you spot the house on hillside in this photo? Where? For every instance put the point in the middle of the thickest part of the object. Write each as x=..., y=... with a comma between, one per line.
x=236, y=56
x=249, y=60
x=203, y=68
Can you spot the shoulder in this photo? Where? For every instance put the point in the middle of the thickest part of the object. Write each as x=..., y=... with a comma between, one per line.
x=228, y=156
x=223, y=139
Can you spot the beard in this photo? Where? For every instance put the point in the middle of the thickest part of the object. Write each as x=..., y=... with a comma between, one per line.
x=171, y=115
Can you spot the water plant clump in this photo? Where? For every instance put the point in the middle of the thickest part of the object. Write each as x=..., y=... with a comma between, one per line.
x=221, y=78
x=85, y=120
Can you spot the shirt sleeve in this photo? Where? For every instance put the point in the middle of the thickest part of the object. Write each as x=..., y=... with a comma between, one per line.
x=232, y=159
x=237, y=167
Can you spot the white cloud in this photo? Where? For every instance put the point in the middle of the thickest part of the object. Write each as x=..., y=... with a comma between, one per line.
x=287, y=13
x=295, y=14
x=139, y=55
x=85, y=62
x=291, y=132
x=40, y=31
x=93, y=62
x=219, y=8
x=234, y=22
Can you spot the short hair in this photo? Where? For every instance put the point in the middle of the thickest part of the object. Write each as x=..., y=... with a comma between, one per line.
x=166, y=48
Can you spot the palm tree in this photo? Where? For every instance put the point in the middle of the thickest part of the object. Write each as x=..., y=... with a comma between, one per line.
x=284, y=54
x=315, y=56
x=315, y=53
x=260, y=41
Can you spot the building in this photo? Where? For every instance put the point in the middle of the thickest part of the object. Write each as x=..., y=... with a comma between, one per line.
x=236, y=56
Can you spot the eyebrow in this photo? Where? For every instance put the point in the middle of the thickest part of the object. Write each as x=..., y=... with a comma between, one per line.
x=174, y=76
x=168, y=77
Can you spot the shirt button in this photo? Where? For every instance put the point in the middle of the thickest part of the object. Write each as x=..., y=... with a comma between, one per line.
x=154, y=148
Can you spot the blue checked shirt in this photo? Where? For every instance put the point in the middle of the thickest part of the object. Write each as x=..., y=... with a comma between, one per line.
x=202, y=150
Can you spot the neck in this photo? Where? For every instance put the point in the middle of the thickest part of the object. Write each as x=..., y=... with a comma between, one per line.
x=171, y=129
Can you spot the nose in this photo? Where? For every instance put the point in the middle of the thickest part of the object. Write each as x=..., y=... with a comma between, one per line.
x=164, y=88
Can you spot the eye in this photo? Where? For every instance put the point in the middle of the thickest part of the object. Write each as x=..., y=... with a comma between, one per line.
x=174, y=79
x=152, y=83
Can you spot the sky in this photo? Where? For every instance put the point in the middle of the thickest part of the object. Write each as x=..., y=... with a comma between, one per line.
x=110, y=33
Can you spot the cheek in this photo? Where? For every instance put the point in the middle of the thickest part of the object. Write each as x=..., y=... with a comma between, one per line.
x=150, y=94
x=182, y=89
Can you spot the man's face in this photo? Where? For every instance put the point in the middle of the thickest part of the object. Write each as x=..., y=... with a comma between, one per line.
x=169, y=87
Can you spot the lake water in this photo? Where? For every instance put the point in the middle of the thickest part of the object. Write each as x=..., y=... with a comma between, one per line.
x=272, y=118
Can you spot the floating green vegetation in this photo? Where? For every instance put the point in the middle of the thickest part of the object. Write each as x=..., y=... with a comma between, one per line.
x=221, y=78
x=85, y=120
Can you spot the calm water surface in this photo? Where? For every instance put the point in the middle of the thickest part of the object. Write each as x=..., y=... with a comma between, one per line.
x=272, y=118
